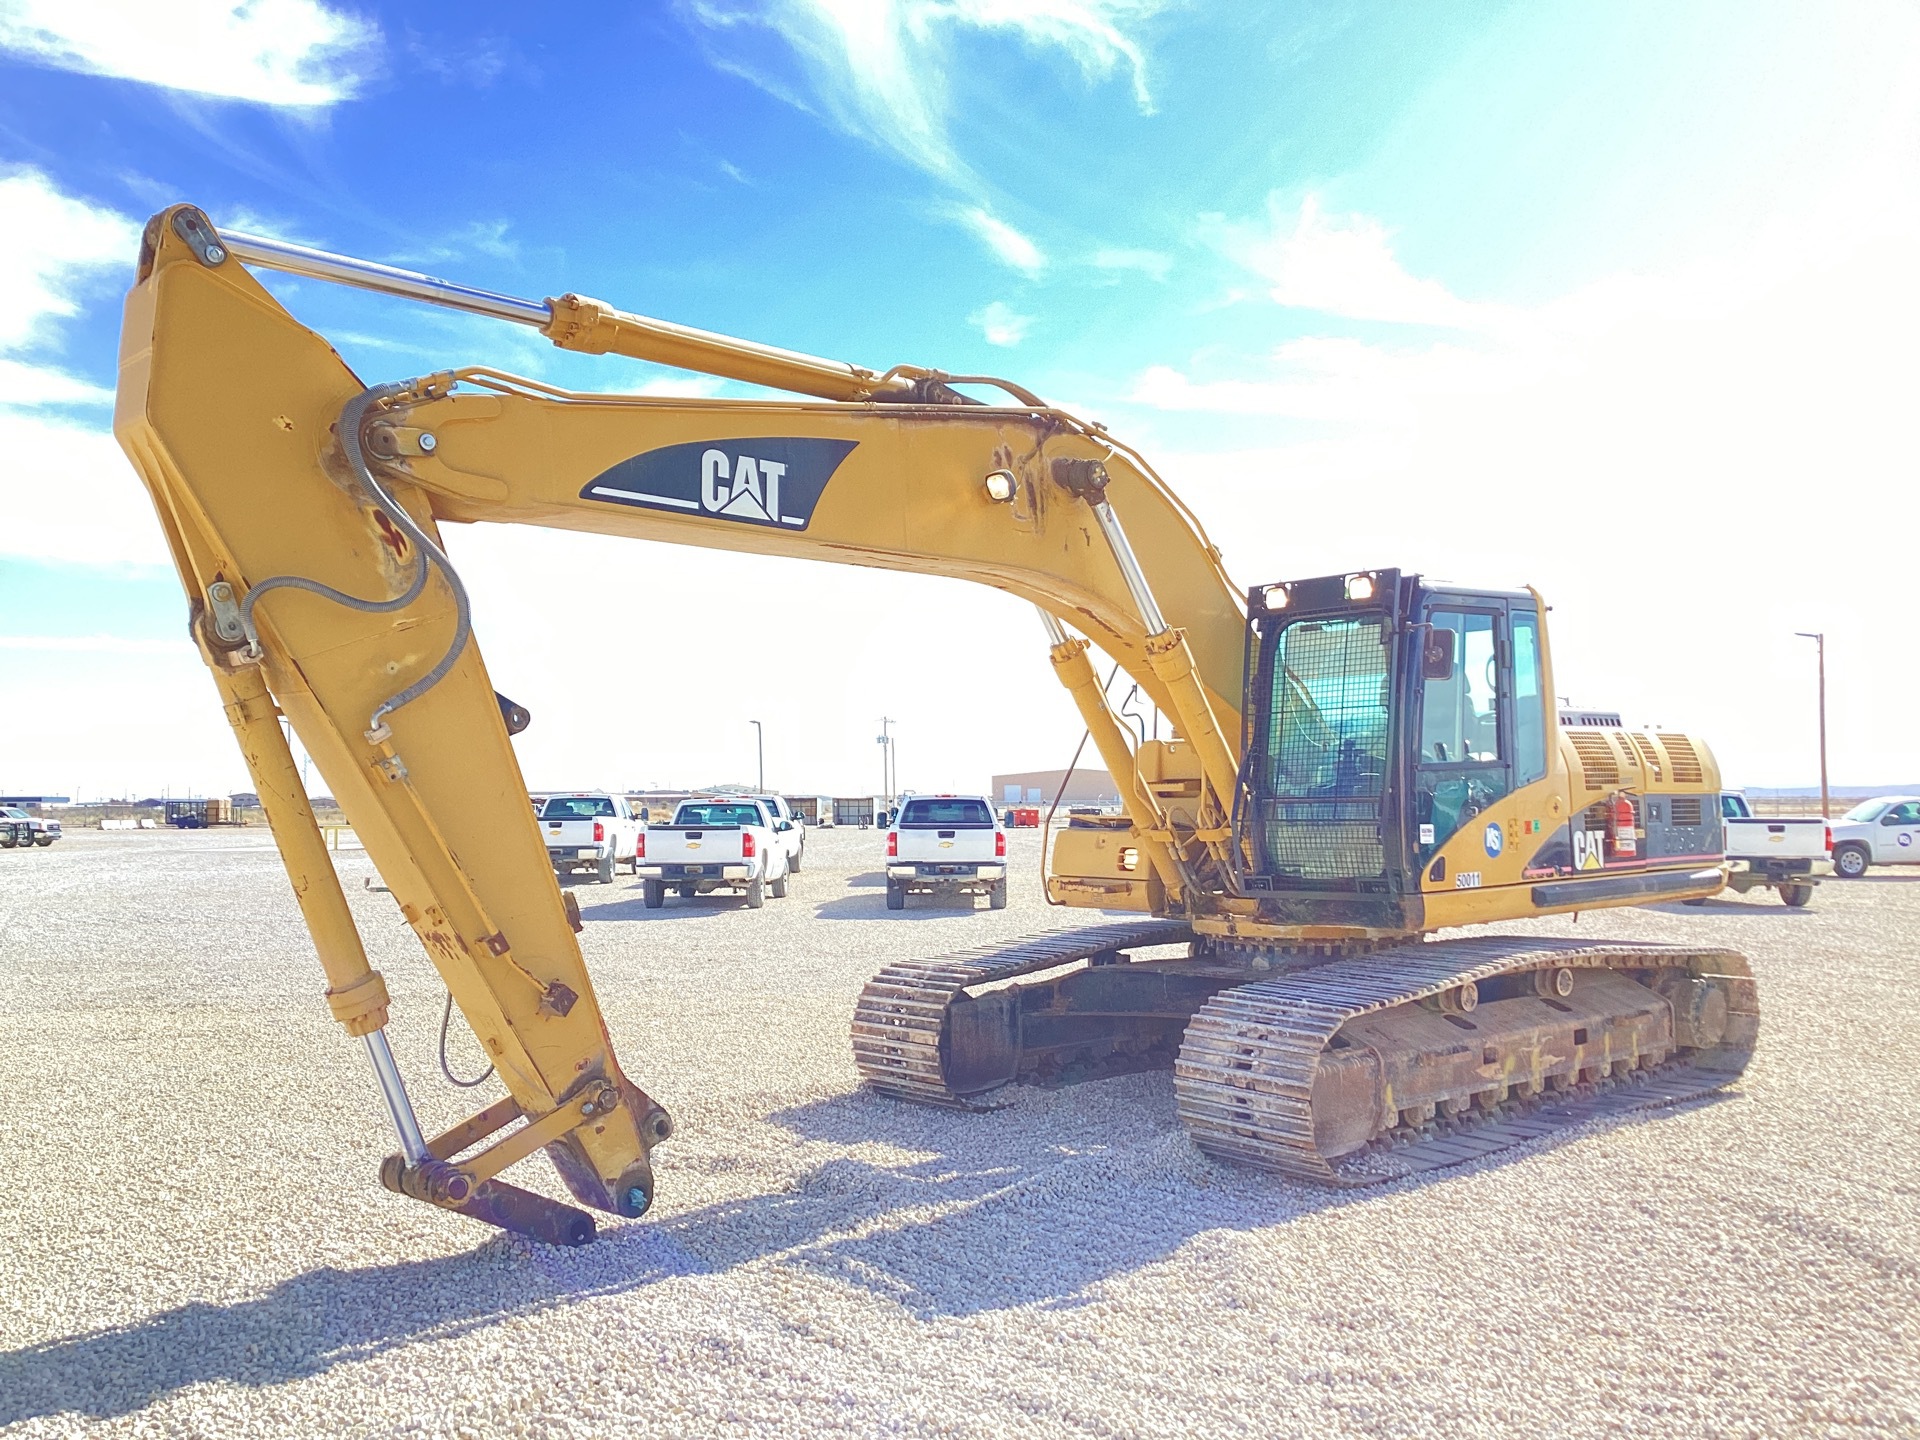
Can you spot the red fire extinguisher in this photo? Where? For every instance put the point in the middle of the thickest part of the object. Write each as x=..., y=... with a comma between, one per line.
x=1620, y=821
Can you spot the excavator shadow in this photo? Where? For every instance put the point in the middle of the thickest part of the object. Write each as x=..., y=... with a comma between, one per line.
x=308, y=1324
x=1039, y=1203
x=1036, y=1204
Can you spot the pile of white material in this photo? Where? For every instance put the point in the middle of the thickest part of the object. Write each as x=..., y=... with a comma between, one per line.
x=195, y=1241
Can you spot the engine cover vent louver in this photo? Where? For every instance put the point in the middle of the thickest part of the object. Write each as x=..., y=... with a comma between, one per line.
x=1687, y=769
x=1649, y=755
x=1685, y=810
x=1597, y=762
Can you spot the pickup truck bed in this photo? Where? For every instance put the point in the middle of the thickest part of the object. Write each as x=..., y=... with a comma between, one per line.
x=1774, y=851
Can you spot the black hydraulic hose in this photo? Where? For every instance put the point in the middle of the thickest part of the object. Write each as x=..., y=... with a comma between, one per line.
x=353, y=417
x=446, y=1018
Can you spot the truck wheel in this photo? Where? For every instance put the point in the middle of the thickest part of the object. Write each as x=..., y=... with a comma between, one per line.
x=779, y=888
x=794, y=868
x=44, y=841
x=7, y=842
x=896, y=895
x=997, y=896
x=1849, y=861
x=1795, y=896
x=652, y=894
x=1696, y=900
x=635, y=862
x=756, y=894
x=606, y=867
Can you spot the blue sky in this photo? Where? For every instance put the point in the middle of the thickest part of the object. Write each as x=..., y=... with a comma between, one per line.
x=1613, y=300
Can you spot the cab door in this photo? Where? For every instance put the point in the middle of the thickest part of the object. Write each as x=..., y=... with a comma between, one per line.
x=1463, y=758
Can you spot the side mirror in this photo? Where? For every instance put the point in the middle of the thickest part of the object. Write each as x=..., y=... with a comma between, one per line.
x=1436, y=655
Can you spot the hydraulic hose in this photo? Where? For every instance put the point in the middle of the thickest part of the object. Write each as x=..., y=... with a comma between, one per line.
x=353, y=418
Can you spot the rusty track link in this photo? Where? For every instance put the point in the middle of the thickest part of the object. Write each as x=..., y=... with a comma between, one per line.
x=899, y=1023
x=1245, y=1074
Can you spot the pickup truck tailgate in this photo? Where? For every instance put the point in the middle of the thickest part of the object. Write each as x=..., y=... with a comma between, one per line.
x=693, y=845
x=945, y=844
x=1764, y=838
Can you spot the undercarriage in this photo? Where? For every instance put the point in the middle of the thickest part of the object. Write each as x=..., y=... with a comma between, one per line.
x=1343, y=1071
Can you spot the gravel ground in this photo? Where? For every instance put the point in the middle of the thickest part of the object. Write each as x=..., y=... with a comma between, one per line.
x=196, y=1244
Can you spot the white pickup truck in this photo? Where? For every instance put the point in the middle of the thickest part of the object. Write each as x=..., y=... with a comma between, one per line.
x=946, y=844
x=29, y=829
x=713, y=845
x=789, y=827
x=1881, y=831
x=1777, y=851
x=589, y=830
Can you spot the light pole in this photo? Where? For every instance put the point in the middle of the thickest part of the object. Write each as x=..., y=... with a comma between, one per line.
x=1819, y=638
x=887, y=771
x=760, y=750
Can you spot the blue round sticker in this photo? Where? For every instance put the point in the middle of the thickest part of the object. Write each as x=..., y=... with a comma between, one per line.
x=1494, y=840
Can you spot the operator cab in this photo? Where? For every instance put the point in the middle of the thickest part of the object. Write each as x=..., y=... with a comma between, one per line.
x=1383, y=713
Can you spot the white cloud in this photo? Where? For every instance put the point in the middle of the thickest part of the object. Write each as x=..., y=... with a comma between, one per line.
x=23, y=384
x=476, y=237
x=1339, y=265
x=49, y=244
x=1151, y=263
x=1007, y=244
x=675, y=387
x=1000, y=324
x=69, y=494
x=880, y=68
x=97, y=644
x=272, y=52
x=1693, y=463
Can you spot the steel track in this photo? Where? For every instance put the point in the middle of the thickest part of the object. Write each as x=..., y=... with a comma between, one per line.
x=899, y=1023
x=1245, y=1073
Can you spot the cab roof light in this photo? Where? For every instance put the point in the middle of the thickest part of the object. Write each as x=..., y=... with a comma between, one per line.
x=1000, y=486
x=1360, y=587
x=1275, y=597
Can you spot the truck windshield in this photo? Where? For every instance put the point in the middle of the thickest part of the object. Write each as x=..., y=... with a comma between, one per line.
x=1866, y=810
x=576, y=807
x=722, y=814
x=946, y=815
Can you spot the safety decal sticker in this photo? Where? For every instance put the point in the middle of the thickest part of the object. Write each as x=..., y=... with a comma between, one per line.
x=1494, y=840
x=774, y=481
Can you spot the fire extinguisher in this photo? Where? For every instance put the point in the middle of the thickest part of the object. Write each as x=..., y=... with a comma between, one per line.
x=1620, y=820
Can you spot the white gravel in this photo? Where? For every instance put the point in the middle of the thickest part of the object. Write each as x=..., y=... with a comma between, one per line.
x=194, y=1241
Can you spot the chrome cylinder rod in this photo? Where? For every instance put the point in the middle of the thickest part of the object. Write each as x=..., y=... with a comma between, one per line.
x=386, y=279
x=412, y=1143
x=1056, y=632
x=1130, y=570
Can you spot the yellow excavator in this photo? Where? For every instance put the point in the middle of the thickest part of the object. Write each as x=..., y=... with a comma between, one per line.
x=1358, y=760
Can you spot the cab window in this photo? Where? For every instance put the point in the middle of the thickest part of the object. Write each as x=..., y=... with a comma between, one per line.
x=1529, y=708
x=1459, y=716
